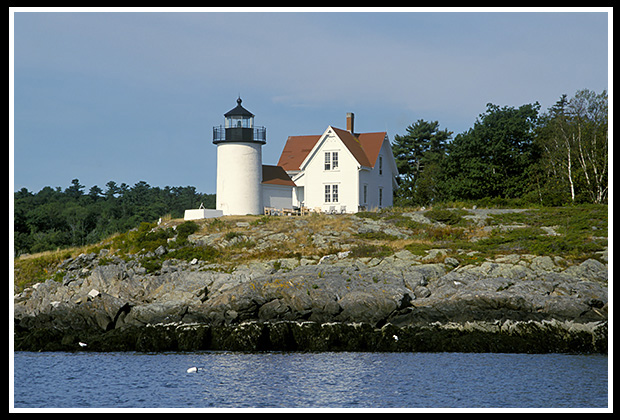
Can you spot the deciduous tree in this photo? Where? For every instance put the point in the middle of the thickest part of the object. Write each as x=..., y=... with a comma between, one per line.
x=493, y=158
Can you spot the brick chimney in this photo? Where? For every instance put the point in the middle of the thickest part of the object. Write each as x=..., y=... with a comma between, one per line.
x=350, y=117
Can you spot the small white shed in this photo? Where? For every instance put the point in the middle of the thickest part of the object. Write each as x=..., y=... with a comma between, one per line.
x=202, y=213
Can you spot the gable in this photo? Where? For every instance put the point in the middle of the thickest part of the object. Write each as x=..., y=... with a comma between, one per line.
x=364, y=147
x=296, y=150
x=354, y=146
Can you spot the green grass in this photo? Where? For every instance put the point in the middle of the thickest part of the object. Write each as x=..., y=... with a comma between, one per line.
x=582, y=228
x=370, y=250
x=582, y=233
x=446, y=216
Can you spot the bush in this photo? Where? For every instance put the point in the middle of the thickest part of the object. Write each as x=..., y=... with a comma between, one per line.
x=187, y=228
x=448, y=217
x=147, y=237
x=369, y=250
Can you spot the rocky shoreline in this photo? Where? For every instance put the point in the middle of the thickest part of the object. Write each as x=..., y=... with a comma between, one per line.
x=401, y=302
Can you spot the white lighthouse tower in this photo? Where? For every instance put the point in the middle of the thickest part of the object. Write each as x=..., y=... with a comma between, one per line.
x=239, y=163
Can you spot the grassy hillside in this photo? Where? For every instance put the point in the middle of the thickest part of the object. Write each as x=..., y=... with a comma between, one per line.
x=469, y=235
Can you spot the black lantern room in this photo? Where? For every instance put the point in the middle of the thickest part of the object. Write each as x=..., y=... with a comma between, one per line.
x=239, y=127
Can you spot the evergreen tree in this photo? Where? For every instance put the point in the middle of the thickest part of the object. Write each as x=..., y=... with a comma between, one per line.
x=419, y=155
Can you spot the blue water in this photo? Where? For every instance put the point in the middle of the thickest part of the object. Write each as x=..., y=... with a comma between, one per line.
x=316, y=380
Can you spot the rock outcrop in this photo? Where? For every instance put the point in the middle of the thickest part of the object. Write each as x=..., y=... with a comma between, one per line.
x=514, y=303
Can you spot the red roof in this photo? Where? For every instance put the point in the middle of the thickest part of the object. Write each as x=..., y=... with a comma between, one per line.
x=364, y=147
x=276, y=175
x=295, y=151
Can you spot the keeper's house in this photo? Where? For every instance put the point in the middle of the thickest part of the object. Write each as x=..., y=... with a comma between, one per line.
x=340, y=170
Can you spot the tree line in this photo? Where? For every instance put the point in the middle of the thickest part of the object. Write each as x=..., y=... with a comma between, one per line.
x=551, y=158
x=56, y=218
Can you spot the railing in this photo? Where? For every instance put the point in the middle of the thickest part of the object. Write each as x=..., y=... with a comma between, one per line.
x=256, y=134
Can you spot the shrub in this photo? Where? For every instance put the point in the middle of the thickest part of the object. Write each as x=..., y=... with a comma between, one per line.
x=186, y=228
x=448, y=217
x=146, y=237
x=151, y=265
x=232, y=235
x=369, y=250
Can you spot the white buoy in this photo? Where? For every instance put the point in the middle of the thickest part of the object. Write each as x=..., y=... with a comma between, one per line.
x=192, y=369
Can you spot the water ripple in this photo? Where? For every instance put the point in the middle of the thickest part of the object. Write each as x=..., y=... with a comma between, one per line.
x=228, y=379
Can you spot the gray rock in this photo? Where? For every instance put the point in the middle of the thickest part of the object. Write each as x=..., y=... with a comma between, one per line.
x=418, y=217
x=451, y=261
x=543, y=264
x=589, y=270
x=273, y=310
x=421, y=292
x=361, y=306
x=399, y=290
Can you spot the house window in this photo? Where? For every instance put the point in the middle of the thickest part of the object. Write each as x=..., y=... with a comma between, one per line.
x=331, y=161
x=365, y=194
x=331, y=193
x=380, y=197
x=380, y=165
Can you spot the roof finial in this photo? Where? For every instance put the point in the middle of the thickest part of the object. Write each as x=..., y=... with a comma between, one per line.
x=238, y=99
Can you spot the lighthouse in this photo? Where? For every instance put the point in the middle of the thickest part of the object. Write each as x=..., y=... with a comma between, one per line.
x=239, y=163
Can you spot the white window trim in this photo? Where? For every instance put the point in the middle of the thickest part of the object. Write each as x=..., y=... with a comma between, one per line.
x=335, y=193
x=328, y=162
x=329, y=194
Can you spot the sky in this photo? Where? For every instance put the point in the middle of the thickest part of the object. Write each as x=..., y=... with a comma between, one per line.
x=121, y=96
